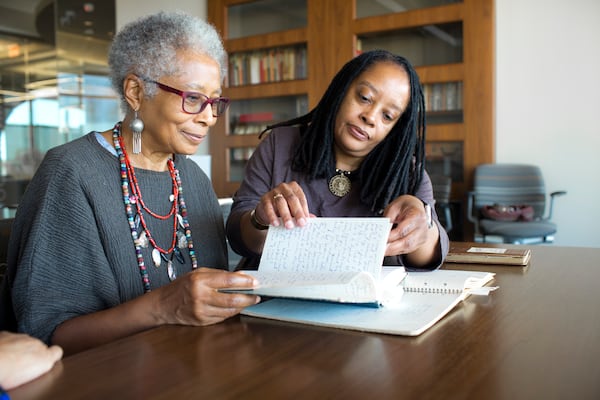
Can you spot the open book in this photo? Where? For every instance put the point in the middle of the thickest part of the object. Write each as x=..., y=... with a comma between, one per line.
x=332, y=259
x=425, y=297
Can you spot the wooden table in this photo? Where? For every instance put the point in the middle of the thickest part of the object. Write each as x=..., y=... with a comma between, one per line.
x=537, y=337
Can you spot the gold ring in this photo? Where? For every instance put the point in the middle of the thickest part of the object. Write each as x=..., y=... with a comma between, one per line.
x=277, y=196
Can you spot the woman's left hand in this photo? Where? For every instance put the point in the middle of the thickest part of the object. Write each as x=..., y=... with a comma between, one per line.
x=411, y=233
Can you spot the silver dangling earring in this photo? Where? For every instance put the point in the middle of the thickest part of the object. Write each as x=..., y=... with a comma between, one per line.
x=137, y=126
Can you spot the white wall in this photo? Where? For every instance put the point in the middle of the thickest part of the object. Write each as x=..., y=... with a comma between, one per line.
x=128, y=10
x=547, y=98
x=548, y=102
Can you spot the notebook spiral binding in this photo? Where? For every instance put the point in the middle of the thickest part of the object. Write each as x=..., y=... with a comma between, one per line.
x=432, y=290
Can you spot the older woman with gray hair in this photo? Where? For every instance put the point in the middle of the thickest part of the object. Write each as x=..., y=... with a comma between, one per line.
x=118, y=231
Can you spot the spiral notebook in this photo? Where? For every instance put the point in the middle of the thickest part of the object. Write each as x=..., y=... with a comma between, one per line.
x=424, y=298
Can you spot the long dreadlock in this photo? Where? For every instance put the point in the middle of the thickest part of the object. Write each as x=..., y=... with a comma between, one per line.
x=395, y=166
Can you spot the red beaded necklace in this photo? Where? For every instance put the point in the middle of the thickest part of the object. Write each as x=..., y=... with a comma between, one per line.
x=136, y=198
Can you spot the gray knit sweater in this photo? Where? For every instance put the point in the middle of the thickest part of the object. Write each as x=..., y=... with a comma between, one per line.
x=71, y=251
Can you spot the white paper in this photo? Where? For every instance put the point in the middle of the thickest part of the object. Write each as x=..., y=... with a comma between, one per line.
x=327, y=245
x=494, y=250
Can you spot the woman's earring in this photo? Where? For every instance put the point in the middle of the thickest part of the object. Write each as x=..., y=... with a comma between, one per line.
x=137, y=126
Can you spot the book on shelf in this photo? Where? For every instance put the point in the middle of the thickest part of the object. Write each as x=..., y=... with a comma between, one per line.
x=437, y=96
x=443, y=96
x=254, y=123
x=451, y=96
x=265, y=116
x=468, y=253
x=330, y=273
x=241, y=153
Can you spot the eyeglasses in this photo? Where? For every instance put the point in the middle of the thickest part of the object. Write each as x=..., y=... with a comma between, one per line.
x=194, y=102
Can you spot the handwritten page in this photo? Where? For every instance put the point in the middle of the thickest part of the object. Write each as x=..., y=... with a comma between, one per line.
x=327, y=245
x=287, y=279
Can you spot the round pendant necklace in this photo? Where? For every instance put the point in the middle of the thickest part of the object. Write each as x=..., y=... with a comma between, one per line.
x=339, y=184
x=134, y=205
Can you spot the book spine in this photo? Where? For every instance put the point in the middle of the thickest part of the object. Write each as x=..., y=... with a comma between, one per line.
x=257, y=117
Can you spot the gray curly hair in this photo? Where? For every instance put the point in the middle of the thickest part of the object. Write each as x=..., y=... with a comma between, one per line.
x=147, y=47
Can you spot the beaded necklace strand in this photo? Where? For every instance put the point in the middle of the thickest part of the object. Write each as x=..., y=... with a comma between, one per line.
x=134, y=200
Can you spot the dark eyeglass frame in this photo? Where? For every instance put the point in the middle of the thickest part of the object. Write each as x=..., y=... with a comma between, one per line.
x=218, y=105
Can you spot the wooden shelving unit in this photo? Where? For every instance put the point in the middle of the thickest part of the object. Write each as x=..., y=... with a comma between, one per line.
x=331, y=36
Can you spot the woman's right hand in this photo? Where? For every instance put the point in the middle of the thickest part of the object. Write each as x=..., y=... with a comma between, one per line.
x=286, y=201
x=24, y=358
x=194, y=299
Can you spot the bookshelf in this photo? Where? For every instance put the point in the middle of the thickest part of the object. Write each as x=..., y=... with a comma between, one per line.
x=450, y=43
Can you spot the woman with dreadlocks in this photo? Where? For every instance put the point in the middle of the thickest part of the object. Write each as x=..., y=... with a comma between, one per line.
x=359, y=153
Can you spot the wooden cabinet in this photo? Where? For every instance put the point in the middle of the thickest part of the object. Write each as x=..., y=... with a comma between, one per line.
x=451, y=44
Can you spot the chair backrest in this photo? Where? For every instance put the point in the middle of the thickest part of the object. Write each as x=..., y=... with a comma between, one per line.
x=11, y=191
x=5, y=227
x=510, y=184
x=234, y=258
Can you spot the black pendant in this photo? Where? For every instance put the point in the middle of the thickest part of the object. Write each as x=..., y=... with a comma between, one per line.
x=178, y=255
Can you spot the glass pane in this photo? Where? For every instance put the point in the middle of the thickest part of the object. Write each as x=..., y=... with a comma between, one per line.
x=265, y=16
x=86, y=103
x=49, y=93
x=425, y=45
x=369, y=8
x=24, y=63
x=267, y=65
x=445, y=158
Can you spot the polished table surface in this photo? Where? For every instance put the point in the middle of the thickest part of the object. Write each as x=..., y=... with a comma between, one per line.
x=536, y=337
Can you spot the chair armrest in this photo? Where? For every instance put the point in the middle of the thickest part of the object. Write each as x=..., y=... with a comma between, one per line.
x=471, y=212
x=470, y=200
x=552, y=196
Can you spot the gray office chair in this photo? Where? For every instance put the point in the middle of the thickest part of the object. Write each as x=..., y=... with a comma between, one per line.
x=510, y=186
x=442, y=186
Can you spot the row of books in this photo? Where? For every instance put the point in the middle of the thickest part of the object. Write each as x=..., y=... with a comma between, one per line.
x=241, y=153
x=445, y=96
x=268, y=65
x=249, y=128
x=252, y=123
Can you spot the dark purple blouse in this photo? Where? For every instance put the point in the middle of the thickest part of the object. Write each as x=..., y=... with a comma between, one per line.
x=270, y=165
